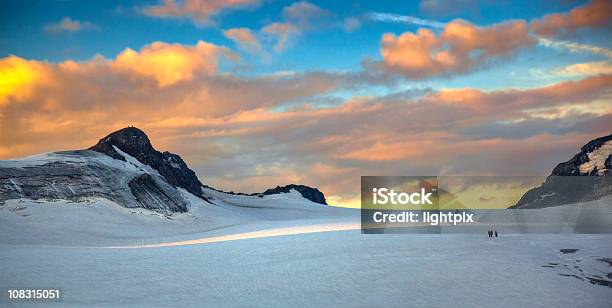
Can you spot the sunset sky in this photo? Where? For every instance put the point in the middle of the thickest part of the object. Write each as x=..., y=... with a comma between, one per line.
x=255, y=93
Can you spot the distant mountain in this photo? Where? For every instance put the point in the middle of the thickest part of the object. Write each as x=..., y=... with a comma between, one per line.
x=585, y=177
x=122, y=167
x=309, y=193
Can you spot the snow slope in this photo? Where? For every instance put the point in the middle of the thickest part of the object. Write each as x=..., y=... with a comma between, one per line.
x=98, y=221
x=282, y=250
x=332, y=269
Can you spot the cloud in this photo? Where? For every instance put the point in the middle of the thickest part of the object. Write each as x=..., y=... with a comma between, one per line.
x=40, y=101
x=282, y=32
x=198, y=11
x=245, y=39
x=171, y=63
x=395, y=18
x=597, y=13
x=584, y=69
x=305, y=15
x=578, y=69
x=575, y=47
x=297, y=19
x=70, y=25
x=461, y=47
x=17, y=75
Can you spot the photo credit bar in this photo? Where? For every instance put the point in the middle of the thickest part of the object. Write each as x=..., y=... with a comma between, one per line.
x=471, y=205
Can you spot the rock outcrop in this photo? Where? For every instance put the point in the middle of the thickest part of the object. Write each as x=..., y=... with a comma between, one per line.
x=153, y=194
x=307, y=192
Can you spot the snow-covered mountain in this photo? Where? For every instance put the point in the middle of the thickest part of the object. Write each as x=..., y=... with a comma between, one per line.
x=584, y=177
x=135, y=143
x=122, y=167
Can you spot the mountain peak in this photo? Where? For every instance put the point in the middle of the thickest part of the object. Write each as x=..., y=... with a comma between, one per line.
x=134, y=142
x=585, y=177
x=593, y=159
x=130, y=140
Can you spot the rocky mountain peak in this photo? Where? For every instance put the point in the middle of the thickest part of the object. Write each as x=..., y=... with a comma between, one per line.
x=134, y=142
x=594, y=158
x=130, y=140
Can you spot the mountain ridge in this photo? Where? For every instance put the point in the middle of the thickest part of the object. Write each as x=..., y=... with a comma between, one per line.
x=123, y=167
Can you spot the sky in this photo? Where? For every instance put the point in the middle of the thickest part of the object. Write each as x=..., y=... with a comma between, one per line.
x=254, y=93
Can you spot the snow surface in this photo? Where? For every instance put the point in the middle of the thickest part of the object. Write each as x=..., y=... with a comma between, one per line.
x=597, y=159
x=131, y=166
x=39, y=160
x=283, y=250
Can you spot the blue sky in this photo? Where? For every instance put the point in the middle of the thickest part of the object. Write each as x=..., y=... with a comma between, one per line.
x=119, y=25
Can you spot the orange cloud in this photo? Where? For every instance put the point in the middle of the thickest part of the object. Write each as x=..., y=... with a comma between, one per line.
x=244, y=38
x=159, y=81
x=597, y=13
x=171, y=63
x=17, y=77
x=459, y=48
x=199, y=11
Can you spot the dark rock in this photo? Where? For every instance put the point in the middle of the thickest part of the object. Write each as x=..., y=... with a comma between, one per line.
x=309, y=193
x=568, y=250
x=135, y=142
x=566, y=184
x=152, y=195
